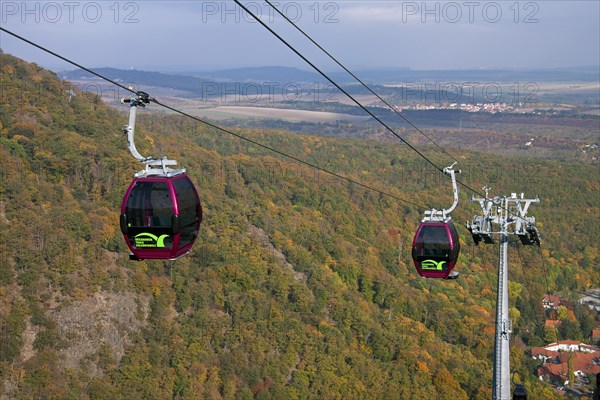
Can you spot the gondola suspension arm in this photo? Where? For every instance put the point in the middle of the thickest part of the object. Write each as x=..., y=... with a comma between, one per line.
x=154, y=166
x=444, y=215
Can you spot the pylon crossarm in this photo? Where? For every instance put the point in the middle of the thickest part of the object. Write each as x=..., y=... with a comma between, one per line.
x=486, y=206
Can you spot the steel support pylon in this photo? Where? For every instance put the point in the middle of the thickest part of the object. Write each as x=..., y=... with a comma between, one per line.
x=503, y=211
x=501, y=388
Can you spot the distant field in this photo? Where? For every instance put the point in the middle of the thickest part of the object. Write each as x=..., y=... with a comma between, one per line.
x=539, y=135
x=228, y=112
x=567, y=91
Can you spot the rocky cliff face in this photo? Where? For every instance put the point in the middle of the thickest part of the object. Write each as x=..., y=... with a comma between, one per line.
x=104, y=322
x=93, y=332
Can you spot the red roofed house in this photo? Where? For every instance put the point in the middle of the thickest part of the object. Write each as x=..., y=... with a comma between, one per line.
x=541, y=353
x=571, y=345
x=551, y=302
x=555, y=356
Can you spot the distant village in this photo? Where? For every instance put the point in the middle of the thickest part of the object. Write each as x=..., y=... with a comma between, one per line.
x=491, y=108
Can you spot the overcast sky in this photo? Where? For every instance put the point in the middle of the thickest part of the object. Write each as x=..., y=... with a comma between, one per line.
x=204, y=35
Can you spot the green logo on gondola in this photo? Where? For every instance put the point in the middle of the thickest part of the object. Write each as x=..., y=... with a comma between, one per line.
x=433, y=265
x=149, y=240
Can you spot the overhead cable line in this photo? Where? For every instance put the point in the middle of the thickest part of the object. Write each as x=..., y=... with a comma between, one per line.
x=365, y=109
x=298, y=160
x=297, y=52
x=334, y=83
x=66, y=59
x=183, y=113
x=392, y=108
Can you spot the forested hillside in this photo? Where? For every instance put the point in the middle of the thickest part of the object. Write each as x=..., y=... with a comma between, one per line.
x=300, y=285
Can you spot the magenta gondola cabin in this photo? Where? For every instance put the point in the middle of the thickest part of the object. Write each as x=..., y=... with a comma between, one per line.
x=160, y=217
x=435, y=249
